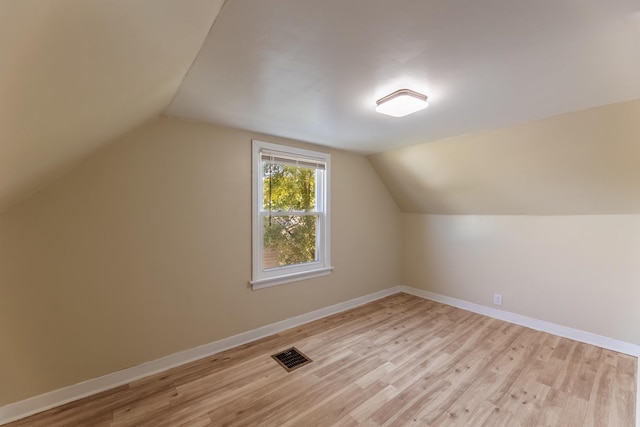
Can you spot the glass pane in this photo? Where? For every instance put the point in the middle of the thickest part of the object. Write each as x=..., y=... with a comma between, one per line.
x=289, y=240
x=288, y=188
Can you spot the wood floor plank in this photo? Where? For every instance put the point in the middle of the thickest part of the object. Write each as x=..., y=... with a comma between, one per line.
x=398, y=361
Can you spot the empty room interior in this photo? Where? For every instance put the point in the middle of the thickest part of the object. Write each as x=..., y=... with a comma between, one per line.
x=319, y=213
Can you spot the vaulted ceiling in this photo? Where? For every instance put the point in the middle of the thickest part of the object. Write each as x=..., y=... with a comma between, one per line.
x=75, y=74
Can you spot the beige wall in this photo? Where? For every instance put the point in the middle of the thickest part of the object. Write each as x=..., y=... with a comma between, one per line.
x=145, y=250
x=577, y=271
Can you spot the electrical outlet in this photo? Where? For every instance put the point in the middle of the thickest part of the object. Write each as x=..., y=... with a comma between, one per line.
x=497, y=299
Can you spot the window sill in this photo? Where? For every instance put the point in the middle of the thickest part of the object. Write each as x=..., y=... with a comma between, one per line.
x=288, y=278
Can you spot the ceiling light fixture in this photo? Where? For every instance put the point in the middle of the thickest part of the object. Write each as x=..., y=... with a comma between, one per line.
x=401, y=103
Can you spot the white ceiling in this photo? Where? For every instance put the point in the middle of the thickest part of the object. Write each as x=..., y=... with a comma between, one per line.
x=312, y=70
x=75, y=74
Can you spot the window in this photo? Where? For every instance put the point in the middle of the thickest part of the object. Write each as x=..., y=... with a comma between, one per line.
x=290, y=214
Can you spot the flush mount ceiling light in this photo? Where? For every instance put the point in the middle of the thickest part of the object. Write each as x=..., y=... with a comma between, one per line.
x=401, y=103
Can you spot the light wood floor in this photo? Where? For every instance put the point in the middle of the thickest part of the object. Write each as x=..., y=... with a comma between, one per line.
x=398, y=361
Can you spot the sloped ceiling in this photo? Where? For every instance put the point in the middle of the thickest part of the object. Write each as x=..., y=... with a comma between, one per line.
x=312, y=70
x=74, y=74
x=578, y=163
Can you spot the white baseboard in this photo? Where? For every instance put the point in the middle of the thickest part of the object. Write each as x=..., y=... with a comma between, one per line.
x=530, y=322
x=52, y=399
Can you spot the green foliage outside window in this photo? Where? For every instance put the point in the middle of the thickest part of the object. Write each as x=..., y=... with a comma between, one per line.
x=290, y=188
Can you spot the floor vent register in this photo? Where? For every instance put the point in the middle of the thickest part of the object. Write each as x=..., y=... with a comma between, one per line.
x=291, y=359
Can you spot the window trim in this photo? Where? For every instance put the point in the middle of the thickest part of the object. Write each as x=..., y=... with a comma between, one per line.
x=262, y=278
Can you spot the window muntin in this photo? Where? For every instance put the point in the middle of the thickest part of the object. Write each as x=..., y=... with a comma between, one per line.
x=290, y=214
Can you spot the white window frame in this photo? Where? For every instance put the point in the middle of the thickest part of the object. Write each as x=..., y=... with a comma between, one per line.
x=261, y=277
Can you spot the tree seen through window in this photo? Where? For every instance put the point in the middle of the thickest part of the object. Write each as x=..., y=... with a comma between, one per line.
x=289, y=198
